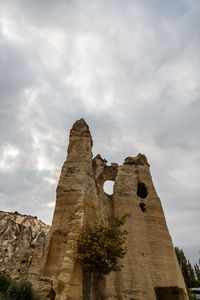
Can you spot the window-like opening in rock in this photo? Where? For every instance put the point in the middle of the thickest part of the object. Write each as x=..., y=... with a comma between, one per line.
x=141, y=190
x=108, y=187
x=142, y=206
x=23, y=261
x=169, y=293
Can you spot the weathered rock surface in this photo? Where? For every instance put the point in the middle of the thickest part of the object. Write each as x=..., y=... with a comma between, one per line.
x=76, y=199
x=22, y=240
x=151, y=270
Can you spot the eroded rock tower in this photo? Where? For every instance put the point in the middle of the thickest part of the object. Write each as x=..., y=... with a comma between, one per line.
x=151, y=270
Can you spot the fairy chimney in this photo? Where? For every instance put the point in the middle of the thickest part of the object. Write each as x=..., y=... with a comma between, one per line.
x=151, y=270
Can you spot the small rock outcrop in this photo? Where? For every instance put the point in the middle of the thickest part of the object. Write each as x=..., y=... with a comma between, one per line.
x=151, y=270
x=22, y=240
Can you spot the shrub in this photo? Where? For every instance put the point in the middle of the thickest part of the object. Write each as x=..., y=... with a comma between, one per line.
x=191, y=295
x=21, y=291
x=4, y=284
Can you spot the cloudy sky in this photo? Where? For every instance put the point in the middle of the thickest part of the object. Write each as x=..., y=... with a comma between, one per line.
x=131, y=69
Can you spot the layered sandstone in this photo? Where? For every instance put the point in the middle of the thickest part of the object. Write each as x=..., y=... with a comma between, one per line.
x=151, y=270
x=22, y=240
x=76, y=200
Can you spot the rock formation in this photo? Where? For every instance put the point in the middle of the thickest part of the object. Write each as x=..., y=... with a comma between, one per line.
x=151, y=270
x=22, y=240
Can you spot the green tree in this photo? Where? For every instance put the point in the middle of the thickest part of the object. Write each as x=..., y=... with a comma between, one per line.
x=191, y=295
x=99, y=246
x=197, y=271
x=190, y=273
x=21, y=291
x=4, y=284
x=185, y=266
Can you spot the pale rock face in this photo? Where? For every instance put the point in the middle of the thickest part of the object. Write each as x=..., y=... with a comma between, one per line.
x=151, y=270
x=22, y=240
x=76, y=199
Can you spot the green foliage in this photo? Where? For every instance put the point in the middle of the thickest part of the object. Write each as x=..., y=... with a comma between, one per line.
x=4, y=284
x=197, y=271
x=190, y=274
x=21, y=291
x=191, y=295
x=100, y=246
x=12, y=290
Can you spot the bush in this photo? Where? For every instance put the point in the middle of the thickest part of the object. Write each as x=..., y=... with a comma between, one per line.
x=21, y=291
x=100, y=246
x=4, y=284
x=191, y=296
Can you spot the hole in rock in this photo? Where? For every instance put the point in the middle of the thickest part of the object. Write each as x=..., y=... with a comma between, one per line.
x=169, y=293
x=141, y=190
x=23, y=261
x=142, y=206
x=108, y=187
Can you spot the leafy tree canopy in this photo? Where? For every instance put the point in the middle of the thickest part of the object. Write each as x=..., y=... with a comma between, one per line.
x=99, y=246
x=191, y=274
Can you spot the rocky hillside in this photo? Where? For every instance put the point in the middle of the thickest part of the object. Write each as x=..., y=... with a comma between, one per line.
x=22, y=240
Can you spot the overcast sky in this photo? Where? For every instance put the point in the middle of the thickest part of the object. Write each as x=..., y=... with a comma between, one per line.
x=131, y=69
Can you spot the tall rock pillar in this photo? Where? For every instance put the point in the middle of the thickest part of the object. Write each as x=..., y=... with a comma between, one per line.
x=76, y=201
x=151, y=270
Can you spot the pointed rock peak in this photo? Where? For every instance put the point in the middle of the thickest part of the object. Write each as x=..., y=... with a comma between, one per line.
x=79, y=124
x=140, y=159
x=98, y=157
x=80, y=128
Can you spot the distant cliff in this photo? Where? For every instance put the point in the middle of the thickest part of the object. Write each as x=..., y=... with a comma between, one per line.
x=22, y=240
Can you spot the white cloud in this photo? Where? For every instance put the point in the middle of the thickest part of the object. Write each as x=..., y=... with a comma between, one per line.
x=9, y=158
x=131, y=69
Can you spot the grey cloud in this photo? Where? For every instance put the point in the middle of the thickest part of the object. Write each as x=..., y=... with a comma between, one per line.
x=15, y=72
x=131, y=70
